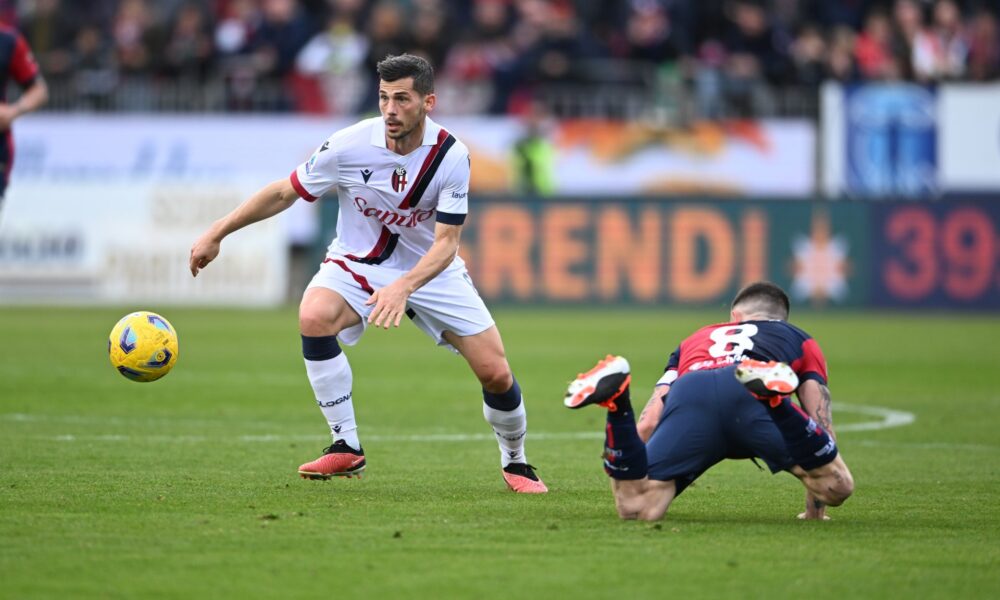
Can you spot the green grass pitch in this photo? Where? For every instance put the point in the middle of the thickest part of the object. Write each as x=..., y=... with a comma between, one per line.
x=186, y=488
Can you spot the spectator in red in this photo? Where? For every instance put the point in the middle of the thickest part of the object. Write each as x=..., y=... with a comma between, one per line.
x=18, y=65
x=874, y=47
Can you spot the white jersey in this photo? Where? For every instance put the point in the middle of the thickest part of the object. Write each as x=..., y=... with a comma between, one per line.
x=388, y=203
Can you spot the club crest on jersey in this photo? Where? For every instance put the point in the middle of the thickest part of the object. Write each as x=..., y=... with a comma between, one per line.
x=399, y=179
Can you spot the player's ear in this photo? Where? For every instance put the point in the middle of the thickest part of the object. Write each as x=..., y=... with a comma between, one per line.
x=735, y=316
x=429, y=101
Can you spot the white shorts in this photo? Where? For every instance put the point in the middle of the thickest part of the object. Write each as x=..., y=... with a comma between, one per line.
x=449, y=302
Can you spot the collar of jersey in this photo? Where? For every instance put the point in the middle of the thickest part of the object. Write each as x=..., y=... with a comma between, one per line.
x=431, y=130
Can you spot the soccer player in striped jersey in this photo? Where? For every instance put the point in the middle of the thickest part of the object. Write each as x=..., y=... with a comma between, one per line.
x=402, y=182
x=725, y=394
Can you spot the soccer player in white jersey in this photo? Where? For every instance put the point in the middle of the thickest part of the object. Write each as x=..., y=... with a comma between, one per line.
x=403, y=182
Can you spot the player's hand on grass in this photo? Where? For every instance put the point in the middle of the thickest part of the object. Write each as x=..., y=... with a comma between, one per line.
x=203, y=252
x=815, y=509
x=390, y=304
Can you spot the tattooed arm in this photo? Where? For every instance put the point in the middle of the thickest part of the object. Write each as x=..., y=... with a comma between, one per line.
x=650, y=415
x=815, y=399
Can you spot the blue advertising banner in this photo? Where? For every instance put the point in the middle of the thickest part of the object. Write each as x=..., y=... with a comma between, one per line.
x=891, y=141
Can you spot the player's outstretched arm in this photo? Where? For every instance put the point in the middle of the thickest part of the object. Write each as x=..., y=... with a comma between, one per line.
x=390, y=301
x=267, y=202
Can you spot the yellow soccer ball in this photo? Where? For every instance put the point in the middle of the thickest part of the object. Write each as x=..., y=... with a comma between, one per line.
x=143, y=346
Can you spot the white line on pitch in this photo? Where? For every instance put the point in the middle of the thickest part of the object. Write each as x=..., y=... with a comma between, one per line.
x=428, y=438
x=886, y=418
x=889, y=417
x=924, y=445
x=446, y=438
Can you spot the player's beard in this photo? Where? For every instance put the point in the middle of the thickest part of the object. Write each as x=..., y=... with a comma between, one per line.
x=403, y=133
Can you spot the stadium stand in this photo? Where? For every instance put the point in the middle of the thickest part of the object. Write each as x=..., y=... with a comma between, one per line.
x=611, y=58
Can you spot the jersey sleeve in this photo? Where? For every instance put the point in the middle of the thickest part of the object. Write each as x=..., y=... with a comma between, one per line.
x=319, y=174
x=453, y=203
x=670, y=373
x=23, y=67
x=812, y=363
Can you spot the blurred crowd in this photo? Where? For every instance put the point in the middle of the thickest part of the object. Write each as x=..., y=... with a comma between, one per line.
x=492, y=56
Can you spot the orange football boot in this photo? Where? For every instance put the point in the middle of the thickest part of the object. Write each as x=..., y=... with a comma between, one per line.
x=338, y=460
x=521, y=478
x=600, y=385
x=768, y=381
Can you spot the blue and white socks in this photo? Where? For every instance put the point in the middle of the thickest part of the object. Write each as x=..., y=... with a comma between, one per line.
x=331, y=379
x=505, y=413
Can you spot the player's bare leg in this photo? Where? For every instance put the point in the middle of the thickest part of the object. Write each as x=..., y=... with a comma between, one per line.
x=643, y=499
x=503, y=407
x=831, y=483
x=486, y=357
x=636, y=495
x=818, y=462
x=323, y=314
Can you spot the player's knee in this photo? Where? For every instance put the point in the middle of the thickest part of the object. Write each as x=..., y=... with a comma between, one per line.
x=495, y=377
x=840, y=486
x=313, y=323
x=835, y=487
x=652, y=512
x=317, y=319
x=642, y=499
x=641, y=509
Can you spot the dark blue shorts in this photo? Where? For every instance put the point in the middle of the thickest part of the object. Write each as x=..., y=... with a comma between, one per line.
x=708, y=417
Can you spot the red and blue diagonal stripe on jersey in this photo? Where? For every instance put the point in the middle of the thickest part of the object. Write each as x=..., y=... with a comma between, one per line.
x=362, y=281
x=381, y=251
x=427, y=170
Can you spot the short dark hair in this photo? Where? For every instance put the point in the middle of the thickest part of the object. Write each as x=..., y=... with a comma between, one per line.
x=393, y=68
x=764, y=297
